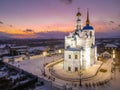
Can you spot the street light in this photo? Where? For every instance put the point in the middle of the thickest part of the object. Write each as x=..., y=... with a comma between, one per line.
x=59, y=51
x=113, y=54
x=80, y=73
x=44, y=54
x=53, y=57
x=51, y=78
x=111, y=70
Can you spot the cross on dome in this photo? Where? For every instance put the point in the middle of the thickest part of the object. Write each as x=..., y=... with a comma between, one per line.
x=78, y=14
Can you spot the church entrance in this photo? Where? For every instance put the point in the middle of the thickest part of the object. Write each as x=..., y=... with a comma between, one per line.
x=69, y=68
x=76, y=69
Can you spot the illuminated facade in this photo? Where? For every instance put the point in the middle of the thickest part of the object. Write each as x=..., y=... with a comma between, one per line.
x=80, y=48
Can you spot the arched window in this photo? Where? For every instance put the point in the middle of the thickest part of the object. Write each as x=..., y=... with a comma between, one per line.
x=69, y=68
x=69, y=57
x=76, y=56
x=76, y=69
x=90, y=33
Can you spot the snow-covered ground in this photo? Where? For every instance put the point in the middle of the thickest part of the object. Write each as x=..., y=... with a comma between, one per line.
x=86, y=73
x=35, y=66
x=114, y=84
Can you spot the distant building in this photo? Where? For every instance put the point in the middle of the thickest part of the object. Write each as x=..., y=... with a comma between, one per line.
x=110, y=46
x=108, y=51
x=80, y=48
x=18, y=50
x=36, y=50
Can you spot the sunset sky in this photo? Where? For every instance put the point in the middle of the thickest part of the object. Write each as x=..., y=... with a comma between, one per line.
x=55, y=18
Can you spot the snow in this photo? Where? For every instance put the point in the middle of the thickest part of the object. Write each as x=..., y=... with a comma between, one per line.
x=3, y=74
x=16, y=76
x=15, y=47
x=35, y=66
x=41, y=48
x=2, y=46
x=4, y=51
x=14, y=58
x=87, y=73
x=111, y=45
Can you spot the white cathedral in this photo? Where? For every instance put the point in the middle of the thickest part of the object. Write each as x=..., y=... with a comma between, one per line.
x=80, y=50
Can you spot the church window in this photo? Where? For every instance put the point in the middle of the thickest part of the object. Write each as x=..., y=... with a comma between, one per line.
x=69, y=56
x=69, y=68
x=76, y=56
x=76, y=69
x=90, y=34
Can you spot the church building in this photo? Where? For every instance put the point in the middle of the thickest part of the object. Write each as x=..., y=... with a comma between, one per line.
x=80, y=50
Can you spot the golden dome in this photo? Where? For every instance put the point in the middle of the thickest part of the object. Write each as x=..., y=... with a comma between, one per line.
x=78, y=14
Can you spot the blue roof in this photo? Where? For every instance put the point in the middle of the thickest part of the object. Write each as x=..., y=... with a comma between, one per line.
x=87, y=27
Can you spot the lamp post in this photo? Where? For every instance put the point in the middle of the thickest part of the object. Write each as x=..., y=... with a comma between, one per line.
x=53, y=57
x=44, y=54
x=113, y=54
x=51, y=70
x=59, y=51
x=111, y=70
x=80, y=73
x=80, y=80
x=80, y=77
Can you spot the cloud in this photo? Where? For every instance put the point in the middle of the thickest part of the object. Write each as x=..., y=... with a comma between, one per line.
x=67, y=1
x=118, y=25
x=29, y=31
x=112, y=22
x=1, y=22
x=6, y=24
x=10, y=25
